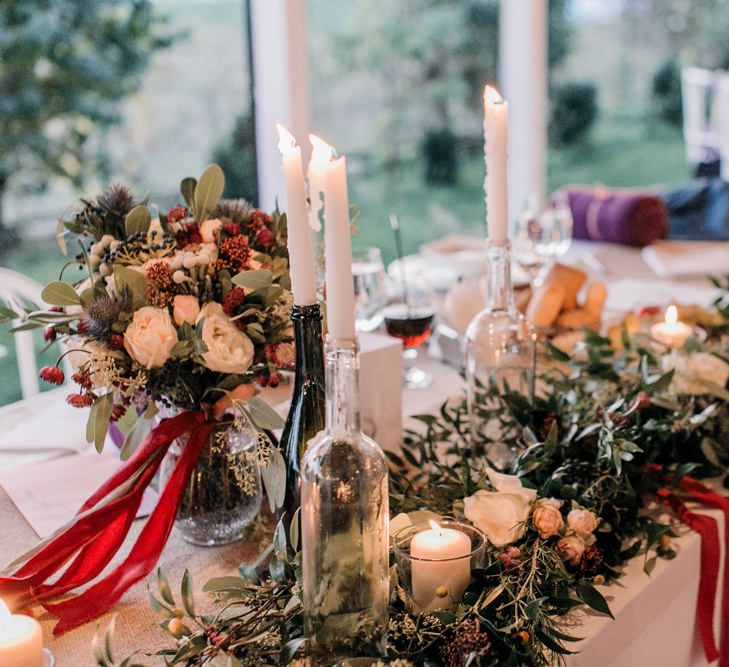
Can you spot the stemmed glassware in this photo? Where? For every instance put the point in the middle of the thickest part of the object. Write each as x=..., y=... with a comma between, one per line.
x=370, y=291
x=410, y=318
x=543, y=236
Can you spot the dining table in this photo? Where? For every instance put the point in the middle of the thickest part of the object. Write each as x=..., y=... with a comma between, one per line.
x=654, y=613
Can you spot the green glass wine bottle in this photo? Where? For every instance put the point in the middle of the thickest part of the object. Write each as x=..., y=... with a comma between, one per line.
x=307, y=412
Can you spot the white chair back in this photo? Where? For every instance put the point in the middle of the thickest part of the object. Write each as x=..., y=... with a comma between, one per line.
x=696, y=89
x=720, y=120
x=18, y=288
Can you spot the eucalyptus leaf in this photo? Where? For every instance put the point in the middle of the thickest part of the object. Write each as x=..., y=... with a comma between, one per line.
x=138, y=220
x=101, y=423
x=61, y=236
x=274, y=479
x=58, y=293
x=187, y=597
x=208, y=190
x=592, y=597
x=164, y=588
x=263, y=416
x=187, y=189
x=253, y=280
x=133, y=283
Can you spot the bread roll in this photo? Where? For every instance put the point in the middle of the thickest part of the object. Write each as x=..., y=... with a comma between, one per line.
x=595, y=300
x=578, y=318
x=545, y=305
x=568, y=277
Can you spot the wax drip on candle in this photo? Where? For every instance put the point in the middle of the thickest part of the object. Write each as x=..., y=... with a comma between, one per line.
x=492, y=96
x=286, y=140
x=395, y=225
x=321, y=154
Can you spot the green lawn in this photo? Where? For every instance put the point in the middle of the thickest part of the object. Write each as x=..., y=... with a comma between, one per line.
x=619, y=153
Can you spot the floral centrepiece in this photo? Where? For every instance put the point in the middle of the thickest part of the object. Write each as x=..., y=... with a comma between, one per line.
x=182, y=313
x=609, y=433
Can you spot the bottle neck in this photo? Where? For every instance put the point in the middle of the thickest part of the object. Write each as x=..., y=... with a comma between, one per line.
x=500, y=292
x=308, y=338
x=342, y=382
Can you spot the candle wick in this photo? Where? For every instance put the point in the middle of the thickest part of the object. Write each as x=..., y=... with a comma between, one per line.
x=395, y=225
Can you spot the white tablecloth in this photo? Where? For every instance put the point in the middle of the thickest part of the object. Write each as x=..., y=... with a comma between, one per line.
x=655, y=616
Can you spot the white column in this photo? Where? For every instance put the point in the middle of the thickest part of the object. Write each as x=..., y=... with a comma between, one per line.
x=280, y=87
x=523, y=83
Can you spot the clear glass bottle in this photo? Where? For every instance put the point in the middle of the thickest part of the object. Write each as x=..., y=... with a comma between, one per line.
x=500, y=357
x=306, y=414
x=344, y=524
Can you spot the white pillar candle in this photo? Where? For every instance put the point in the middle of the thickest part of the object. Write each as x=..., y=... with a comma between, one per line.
x=301, y=257
x=495, y=132
x=671, y=332
x=443, y=575
x=332, y=174
x=21, y=640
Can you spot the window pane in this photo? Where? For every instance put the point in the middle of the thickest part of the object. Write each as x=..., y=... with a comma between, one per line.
x=185, y=104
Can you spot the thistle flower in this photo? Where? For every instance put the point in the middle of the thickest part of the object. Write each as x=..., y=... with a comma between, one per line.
x=100, y=316
x=52, y=374
x=116, y=201
x=238, y=211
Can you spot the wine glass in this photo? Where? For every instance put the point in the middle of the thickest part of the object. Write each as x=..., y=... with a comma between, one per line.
x=370, y=288
x=411, y=320
x=544, y=236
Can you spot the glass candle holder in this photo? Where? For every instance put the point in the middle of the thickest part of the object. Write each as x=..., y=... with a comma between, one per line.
x=435, y=560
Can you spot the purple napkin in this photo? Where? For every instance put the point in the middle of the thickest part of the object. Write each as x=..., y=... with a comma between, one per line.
x=628, y=217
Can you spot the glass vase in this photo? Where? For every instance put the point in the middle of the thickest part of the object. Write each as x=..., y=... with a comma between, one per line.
x=344, y=524
x=223, y=495
x=500, y=357
x=306, y=414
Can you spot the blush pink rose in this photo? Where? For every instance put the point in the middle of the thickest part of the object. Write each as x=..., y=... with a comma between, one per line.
x=547, y=518
x=571, y=549
x=583, y=522
x=185, y=308
x=150, y=337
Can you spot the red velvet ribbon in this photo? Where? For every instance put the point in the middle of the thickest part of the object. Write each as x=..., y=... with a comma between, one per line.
x=87, y=544
x=703, y=494
x=706, y=527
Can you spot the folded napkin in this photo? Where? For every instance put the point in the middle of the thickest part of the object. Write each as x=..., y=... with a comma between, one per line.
x=670, y=259
x=628, y=217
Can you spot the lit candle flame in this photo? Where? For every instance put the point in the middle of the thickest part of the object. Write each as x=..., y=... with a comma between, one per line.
x=671, y=315
x=491, y=96
x=286, y=140
x=4, y=611
x=436, y=527
x=321, y=152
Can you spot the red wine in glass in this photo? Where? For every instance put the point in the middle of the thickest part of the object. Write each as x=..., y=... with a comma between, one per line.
x=411, y=324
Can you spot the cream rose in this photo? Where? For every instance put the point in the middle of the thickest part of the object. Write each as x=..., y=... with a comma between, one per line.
x=547, y=518
x=570, y=549
x=185, y=308
x=209, y=229
x=229, y=349
x=500, y=514
x=583, y=522
x=150, y=337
